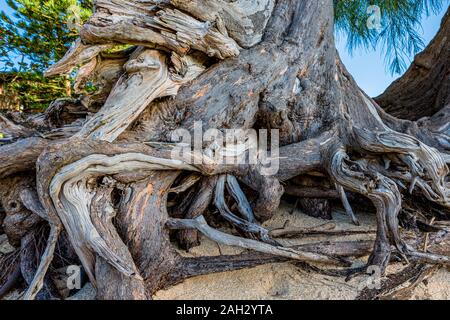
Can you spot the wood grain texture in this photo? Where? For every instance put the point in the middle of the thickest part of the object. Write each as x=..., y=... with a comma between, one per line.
x=104, y=165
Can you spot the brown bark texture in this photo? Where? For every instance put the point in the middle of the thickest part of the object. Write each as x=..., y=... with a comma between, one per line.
x=94, y=180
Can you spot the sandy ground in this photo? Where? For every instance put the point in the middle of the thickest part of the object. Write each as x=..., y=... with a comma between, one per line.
x=283, y=280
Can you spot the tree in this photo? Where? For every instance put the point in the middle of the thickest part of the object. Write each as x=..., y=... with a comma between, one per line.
x=103, y=179
x=40, y=33
x=37, y=36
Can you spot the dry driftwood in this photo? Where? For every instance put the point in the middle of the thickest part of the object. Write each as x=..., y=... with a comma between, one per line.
x=104, y=164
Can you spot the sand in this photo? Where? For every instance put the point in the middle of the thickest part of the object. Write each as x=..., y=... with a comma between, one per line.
x=282, y=280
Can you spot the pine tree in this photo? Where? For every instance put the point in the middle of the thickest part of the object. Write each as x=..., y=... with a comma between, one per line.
x=40, y=32
x=37, y=35
x=397, y=33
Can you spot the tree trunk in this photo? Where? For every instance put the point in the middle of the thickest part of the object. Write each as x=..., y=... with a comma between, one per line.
x=424, y=90
x=109, y=177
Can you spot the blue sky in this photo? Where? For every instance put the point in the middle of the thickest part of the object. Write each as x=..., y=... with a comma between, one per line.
x=367, y=66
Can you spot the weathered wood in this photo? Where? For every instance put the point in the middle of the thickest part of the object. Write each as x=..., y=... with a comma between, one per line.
x=102, y=214
x=11, y=131
x=10, y=272
x=37, y=278
x=20, y=156
x=246, y=226
x=347, y=205
x=35, y=274
x=78, y=54
x=223, y=238
x=326, y=230
x=18, y=220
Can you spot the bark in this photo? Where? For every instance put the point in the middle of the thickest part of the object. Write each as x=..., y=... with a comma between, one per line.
x=108, y=176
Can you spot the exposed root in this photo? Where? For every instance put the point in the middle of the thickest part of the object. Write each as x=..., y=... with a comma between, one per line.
x=341, y=249
x=10, y=272
x=269, y=191
x=20, y=156
x=72, y=198
x=102, y=213
x=199, y=204
x=358, y=177
x=186, y=184
x=292, y=81
x=324, y=230
x=230, y=240
x=30, y=200
x=147, y=77
x=191, y=267
x=243, y=205
x=46, y=259
x=78, y=54
x=431, y=258
x=412, y=275
x=426, y=165
x=347, y=205
x=75, y=187
x=245, y=226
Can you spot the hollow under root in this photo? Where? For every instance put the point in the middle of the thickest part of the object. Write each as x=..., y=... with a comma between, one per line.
x=357, y=176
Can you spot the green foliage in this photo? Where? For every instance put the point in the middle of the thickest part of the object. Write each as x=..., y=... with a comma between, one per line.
x=398, y=36
x=37, y=35
x=34, y=91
